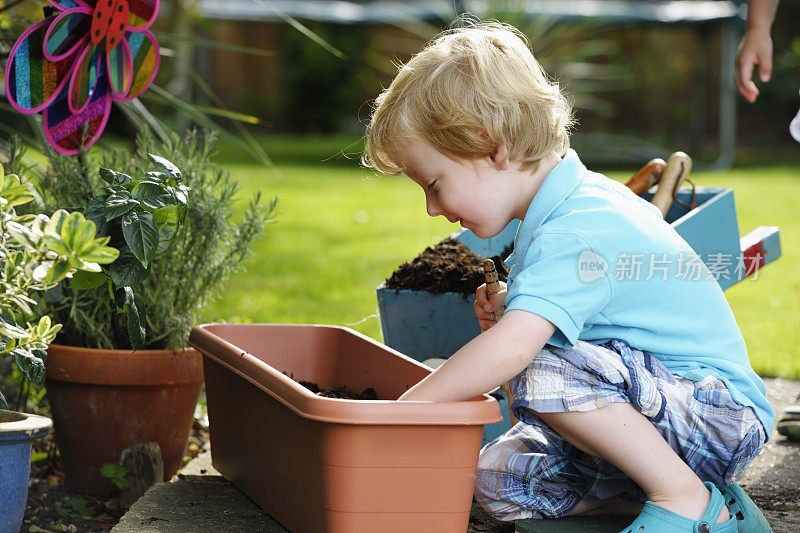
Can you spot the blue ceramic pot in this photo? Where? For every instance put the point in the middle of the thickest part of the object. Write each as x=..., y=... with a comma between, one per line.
x=17, y=433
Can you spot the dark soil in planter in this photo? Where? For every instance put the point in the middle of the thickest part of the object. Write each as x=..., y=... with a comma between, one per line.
x=447, y=267
x=340, y=392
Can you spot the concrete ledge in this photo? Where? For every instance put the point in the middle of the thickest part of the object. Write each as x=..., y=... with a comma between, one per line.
x=198, y=499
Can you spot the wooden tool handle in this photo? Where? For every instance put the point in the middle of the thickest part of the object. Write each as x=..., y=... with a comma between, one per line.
x=492, y=288
x=678, y=167
x=647, y=176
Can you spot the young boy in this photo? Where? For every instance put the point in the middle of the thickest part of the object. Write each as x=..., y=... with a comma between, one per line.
x=628, y=388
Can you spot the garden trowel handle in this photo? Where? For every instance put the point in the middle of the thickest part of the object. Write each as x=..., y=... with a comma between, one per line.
x=492, y=288
x=678, y=167
x=647, y=176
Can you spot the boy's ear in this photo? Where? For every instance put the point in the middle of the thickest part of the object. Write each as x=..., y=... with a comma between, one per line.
x=500, y=157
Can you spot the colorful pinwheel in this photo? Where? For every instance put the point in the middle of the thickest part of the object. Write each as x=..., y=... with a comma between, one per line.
x=73, y=64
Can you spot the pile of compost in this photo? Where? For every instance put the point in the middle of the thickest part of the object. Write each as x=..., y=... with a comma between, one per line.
x=340, y=392
x=447, y=267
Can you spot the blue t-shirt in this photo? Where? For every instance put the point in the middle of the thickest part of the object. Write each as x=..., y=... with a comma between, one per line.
x=600, y=263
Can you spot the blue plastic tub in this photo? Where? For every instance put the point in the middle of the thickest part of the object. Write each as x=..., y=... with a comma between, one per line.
x=17, y=433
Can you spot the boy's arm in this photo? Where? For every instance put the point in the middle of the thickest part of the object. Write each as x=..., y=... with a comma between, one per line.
x=487, y=361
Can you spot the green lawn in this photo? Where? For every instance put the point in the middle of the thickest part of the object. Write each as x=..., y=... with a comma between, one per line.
x=342, y=230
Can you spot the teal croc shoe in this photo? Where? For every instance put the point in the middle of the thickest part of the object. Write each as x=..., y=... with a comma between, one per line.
x=656, y=519
x=749, y=518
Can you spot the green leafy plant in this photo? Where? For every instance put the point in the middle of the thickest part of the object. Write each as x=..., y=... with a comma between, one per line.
x=116, y=474
x=175, y=280
x=74, y=508
x=37, y=252
x=141, y=217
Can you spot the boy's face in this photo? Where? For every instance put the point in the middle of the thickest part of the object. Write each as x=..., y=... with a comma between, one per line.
x=469, y=192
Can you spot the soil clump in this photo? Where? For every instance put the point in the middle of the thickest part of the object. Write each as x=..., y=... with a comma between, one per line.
x=449, y=266
x=340, y=392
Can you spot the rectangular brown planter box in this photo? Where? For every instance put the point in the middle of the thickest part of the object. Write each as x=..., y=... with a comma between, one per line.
x=327, y=465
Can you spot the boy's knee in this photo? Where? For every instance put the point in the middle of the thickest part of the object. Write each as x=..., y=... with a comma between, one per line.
x=486, y=485
x=507, y=495
x=494, y=498
x=491, y=487
x=489, y=476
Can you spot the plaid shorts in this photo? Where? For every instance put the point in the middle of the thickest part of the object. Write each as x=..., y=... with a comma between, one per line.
x=532, y=472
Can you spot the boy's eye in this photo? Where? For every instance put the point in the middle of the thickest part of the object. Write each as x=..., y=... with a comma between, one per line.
x=432, y=186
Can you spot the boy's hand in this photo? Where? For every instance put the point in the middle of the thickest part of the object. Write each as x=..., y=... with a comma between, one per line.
x=484, y=307
x=755, y=49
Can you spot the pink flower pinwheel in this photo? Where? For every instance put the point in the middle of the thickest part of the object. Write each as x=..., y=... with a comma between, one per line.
x=72, y=65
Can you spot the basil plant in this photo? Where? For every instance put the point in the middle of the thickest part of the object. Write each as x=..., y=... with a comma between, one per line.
x=141, y=217
x=38, y=252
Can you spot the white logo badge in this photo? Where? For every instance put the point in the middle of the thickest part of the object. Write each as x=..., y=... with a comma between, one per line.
x=591, y=266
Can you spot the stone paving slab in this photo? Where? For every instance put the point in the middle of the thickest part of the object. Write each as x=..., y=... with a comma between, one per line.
x=198, y=505
x=200, y=499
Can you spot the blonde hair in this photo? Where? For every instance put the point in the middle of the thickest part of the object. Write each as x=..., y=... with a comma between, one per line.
x=467, y=92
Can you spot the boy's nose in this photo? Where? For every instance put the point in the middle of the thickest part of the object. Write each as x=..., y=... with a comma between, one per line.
x=433, y=208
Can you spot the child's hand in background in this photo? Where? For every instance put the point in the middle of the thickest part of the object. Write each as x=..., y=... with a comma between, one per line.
x=484, y=307
x=755, y=49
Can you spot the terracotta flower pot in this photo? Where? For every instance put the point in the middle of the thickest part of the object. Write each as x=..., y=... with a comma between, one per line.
x=328, y=465
x=104, y=401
